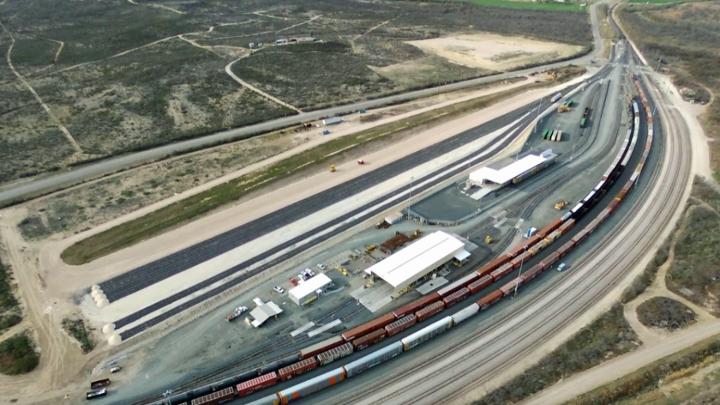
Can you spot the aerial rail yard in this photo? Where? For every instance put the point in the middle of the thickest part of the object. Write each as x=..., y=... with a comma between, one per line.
x=392, y=323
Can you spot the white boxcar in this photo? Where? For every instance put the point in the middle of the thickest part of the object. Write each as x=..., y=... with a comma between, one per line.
x=426, y=333
x=335, y=353
x=465, y=313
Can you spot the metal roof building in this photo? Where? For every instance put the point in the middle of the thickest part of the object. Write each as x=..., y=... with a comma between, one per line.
x=263, y=312
x=514, y=171
x=307, y=291
x=413, y=262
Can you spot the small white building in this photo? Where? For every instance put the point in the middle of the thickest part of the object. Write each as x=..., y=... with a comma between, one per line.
x=418, y=259
x=263, y=311
x=309, y=290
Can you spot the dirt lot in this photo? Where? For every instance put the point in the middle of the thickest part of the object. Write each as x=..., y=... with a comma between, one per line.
x=121, y=76
x=495, y=52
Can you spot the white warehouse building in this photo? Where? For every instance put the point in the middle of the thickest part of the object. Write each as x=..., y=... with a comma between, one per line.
x=309, y=290
x=514, y=172
x=418, y=259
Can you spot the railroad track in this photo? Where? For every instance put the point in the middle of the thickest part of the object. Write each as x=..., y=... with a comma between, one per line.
x=679, y=170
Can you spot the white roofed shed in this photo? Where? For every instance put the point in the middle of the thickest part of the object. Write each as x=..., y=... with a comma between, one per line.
x=307, y=291
x=416, y=260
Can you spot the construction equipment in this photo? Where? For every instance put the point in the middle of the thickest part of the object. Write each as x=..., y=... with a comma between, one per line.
x=489, y=239
x=370, y=248
x=560, y=204
x=332, y=169
x=563, y=108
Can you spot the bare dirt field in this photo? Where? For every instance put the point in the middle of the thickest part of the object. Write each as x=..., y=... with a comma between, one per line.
x=495, y=52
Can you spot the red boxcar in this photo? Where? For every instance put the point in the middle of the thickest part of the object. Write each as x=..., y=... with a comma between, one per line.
x=489, y=267
x=429, y=310
x=298, y=368
x=490, y=299
x=564, y=228
x=510, y=287
x=320, y=347
x=522, y=258
x=369, y=339
x=368, y=327
x=549, y=228
x=258, y=383
x=217, y=397
x=484, y=281
x=533, y=272
x=517, y=250
x=460, y=283
x=456, y=297
x=415, y=305
x=503, y=271
x=565, y=248
x=401, y=324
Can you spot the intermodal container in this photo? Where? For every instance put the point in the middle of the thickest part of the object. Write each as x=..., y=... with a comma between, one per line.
x=368, y=327
x=315, y=384
x=298, y=368
x=217, y=397
x=370, y=339
x=335, y=353
x=429, y=310
x=456, y=297
x=484, y=281
x=415, y=305
x=489, y=299
x=258, y=383
x=320, y=347
x=401, y=324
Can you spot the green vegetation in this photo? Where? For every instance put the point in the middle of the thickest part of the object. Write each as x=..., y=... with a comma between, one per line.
x=607, y=337
x=530, y=5
x=192, y=207
x=657, y=1
x=77, y=329
x=684, y=39
x=695, y=269
x=126, y=80
x=643, y=281
x=9, y=306
x=18, y=355
x=654, y=376
x=665, y=313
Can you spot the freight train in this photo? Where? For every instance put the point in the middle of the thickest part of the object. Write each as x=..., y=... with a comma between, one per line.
x=392, y=323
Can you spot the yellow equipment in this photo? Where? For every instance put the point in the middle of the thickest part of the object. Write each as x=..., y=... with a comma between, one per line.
x=563, y=108
x=332, y=169
x=489, y=239
x=560, y=204
x=370, y=248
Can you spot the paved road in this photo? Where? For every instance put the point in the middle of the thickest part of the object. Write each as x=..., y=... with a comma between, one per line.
x=163, y=268
x=20, y=192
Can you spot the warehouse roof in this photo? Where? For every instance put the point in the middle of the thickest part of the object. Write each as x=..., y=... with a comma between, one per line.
x=309, y=286
x=511, y=171
x=415, y=260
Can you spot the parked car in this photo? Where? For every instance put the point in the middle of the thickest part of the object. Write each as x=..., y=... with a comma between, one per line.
x=115, y=369
x=562, y=267
x=321, y=266
x=279, y=289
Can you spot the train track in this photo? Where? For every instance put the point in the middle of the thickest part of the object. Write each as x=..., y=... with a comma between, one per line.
x=679, y=170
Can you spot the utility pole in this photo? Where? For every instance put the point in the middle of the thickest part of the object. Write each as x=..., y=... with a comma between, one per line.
x=522, y=260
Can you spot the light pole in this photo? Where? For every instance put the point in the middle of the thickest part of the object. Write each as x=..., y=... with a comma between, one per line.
x=522, y=260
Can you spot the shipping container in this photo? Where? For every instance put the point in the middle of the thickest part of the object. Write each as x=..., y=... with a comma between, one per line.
x=335, y=353
x=311, y=386
x=217, y=397
x=258, y=383
x=456, y=297
x=489, y=299
x=373, y=359
x=426, y=333
x=369, y=339
x=415, y=305
x=430, y=310
x=320, y=347
x=484, y=281
x=401, y=324
x=460, y=283
x=511, y=286
x=368, y=327
x=465, y=313
x=298, y=368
